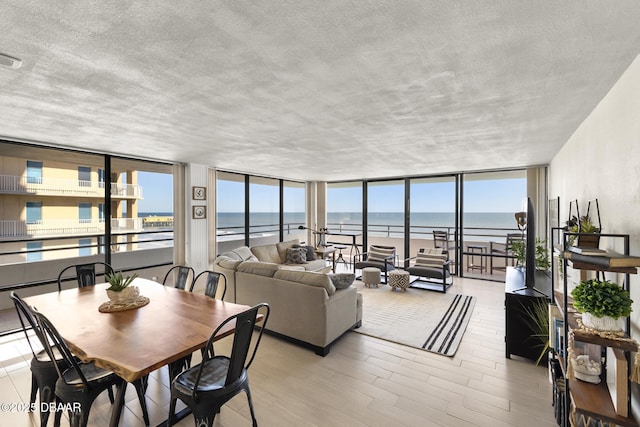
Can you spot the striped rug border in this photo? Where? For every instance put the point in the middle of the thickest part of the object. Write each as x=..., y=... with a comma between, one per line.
x=447, y=334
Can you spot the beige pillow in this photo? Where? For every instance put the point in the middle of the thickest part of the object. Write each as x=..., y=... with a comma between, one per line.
x=267, y=253
x=308, y=278
x=258, y=268
x=227, y=262
x=244, y=253
x=283, y=246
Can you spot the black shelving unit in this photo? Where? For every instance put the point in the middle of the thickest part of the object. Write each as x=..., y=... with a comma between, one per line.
x=594, y=400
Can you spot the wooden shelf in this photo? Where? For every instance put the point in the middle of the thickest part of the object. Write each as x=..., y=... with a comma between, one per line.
x=594, y=401
x=609, y=261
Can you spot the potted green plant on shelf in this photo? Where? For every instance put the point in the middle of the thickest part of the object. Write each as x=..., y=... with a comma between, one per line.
x=120, y=291
x=603, y=304
x=590, y=233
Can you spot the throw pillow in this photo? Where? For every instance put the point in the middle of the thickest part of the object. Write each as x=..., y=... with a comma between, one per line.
x=378, y=254
x=296, y=256
x=342, y=280
x=311, y=254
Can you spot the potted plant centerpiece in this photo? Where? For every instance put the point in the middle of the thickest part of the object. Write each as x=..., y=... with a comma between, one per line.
x=603, y=304
x=119, y=291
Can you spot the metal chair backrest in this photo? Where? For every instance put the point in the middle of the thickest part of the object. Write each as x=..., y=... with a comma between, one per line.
x=85, y=273
x=50, y=338
x=211, y=285
x=441, y=239
x=24, y=315
x=512, y=237
x=183, y=273
x=242, y=337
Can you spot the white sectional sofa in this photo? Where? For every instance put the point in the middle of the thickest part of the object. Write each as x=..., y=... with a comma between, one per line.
x=305, y=305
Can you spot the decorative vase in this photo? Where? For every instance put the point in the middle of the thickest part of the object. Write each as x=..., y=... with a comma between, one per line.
x=126, y=296
x=604, y=323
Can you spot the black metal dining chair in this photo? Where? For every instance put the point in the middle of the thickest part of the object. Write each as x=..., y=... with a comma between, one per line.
x=43, y=373
x=212, y=283
x=85, y=274
x=78, y=383
x=205, y=388
x=183, y=277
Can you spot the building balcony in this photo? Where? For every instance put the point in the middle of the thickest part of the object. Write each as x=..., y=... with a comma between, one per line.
x=65, y=227
x=11, y=184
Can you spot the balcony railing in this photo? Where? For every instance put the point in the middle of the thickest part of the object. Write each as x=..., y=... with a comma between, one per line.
x=11, y=184
x=55, y=227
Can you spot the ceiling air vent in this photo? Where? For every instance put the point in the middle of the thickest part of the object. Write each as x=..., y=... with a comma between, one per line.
x=9, y=61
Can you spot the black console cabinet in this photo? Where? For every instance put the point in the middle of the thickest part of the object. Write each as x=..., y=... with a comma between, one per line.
x=518, y=340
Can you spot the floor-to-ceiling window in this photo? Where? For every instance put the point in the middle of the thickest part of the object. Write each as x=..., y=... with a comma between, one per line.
x=294, y=210
x=264, y=210
x=230, y=215
x=55, y=208
x=490, y=201
x=254, y=210
x=433, y=209
x=385, y=214
x=344, y=215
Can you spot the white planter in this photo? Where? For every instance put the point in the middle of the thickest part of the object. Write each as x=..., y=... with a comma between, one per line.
x=604, y=323
x=126, y=296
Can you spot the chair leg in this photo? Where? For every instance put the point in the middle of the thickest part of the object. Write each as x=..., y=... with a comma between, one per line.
x=34, y=390
x=110, y=392
x=253, y=414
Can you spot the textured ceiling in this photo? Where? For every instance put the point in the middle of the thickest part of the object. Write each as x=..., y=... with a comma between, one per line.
x=313, y=90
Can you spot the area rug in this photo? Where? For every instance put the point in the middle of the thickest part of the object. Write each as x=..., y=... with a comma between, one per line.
x=426, y=320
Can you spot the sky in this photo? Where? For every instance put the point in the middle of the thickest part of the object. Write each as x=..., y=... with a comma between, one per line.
x=157, y=192
x=437, y=195
x=496, y=195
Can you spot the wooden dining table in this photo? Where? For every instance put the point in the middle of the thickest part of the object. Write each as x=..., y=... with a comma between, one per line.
x=135, y=342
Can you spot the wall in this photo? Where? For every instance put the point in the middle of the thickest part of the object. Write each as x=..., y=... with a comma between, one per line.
x=600, y=160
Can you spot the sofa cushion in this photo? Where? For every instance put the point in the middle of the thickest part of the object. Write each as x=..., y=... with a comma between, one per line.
x=311, y=278
x=296, y=256
x=315, y=265
x=228, y=262
x=311, y=253
x=430, y=259
x=342, y=280
x=293, y=267
x=267, y=269
x=283, y=246
x=267, y=253
x=244, y=253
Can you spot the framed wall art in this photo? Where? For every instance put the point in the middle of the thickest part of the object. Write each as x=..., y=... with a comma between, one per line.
x=199, y=193
x=199, y=212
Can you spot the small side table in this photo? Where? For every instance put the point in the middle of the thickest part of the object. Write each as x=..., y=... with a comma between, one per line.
x=323, y=252
x=399, y=279
x=476, y=249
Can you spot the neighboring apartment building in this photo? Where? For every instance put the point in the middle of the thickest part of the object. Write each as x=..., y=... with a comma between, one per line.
x=54, y=206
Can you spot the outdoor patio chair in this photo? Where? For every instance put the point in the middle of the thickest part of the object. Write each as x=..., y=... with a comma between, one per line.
x=441, y=241
x=205, y=388
x=433, y=266
x=382, y=257
x=503, y=250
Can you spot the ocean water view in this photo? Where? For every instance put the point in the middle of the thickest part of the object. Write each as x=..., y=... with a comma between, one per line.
x=482, y=225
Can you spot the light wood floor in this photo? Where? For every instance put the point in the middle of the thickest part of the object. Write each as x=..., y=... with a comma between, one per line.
x=362, y=382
